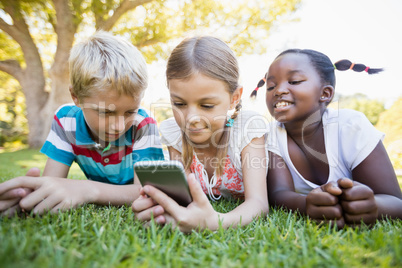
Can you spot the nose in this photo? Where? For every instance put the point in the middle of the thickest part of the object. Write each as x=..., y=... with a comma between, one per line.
x=117, y=124
x=193, y=115
x=281, y=89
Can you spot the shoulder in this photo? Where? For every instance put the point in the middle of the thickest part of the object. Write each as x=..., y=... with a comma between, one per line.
x=143, y=118
x=67, y=110
x=171, y=134
x=170, y=129
x=169, y=125
x=350, y=123
x=250, y=119
x=344, y=116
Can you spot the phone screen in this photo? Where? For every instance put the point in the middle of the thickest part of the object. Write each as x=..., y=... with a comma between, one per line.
x=167, y=176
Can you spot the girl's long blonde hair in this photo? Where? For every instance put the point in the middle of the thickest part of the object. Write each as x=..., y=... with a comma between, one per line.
x=211, y=57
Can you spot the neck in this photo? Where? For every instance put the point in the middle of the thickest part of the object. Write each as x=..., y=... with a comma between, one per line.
x=207, y=149
x=305, y=129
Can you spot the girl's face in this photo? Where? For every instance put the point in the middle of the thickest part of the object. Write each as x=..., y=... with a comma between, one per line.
x=200, y=105
x=294, y=88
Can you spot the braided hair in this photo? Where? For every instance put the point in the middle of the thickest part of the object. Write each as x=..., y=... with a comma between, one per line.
x=323, y=66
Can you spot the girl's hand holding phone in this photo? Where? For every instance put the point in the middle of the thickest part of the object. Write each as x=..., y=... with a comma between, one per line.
x=198, y=214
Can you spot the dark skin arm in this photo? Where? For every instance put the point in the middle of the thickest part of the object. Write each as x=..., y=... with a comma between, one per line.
x=375, y=192
x=320, y=204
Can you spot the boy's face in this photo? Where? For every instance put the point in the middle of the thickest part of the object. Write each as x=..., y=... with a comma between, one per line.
x=108, y=115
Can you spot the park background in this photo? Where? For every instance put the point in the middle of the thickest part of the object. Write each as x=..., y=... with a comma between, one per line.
x=365, y=31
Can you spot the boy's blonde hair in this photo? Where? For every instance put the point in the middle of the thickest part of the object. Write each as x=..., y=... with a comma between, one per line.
x=106, y=62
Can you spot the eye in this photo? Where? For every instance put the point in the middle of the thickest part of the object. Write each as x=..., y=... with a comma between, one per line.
x=295, y=82
x=131, y=112
x=207, y=106
x=179, y=104
x=269, y=88
x=105, y=112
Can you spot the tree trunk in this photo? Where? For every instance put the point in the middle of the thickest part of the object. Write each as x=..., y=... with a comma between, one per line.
x=40, y=103
x=32, y=84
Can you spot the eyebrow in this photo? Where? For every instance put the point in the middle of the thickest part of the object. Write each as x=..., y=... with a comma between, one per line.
x=289, y=73
x=208, y=98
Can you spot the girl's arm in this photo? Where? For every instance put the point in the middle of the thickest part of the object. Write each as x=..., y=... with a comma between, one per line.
x=375, y=192
x=255, y=203
x=320, y=204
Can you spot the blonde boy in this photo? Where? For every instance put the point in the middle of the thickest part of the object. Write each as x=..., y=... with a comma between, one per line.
x=105, y=132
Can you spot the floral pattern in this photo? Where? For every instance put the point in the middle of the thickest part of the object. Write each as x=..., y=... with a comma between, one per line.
x=230, y=184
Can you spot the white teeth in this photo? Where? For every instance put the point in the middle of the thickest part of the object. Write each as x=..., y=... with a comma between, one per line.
x=282, y=104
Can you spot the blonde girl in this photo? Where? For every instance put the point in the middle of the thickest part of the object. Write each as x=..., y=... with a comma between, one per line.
x=221, y=146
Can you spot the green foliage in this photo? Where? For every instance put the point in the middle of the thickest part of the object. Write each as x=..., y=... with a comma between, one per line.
x=13, y=123
x=390, y=122
x=360, y=102
x=160, y=24
x=9, y=47
x=93, y=236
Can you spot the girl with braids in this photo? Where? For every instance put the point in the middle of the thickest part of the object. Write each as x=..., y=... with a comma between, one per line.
x=225, y=152
x=328, y=164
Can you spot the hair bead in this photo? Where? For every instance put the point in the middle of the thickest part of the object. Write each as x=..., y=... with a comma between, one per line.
x=260, y=84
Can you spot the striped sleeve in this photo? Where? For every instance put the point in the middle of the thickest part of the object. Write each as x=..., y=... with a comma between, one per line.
x=58, y=143
x=146, y=145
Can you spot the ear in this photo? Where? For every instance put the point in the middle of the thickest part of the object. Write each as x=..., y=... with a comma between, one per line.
x=327, y=94
x=74, y=97
x=236, y=97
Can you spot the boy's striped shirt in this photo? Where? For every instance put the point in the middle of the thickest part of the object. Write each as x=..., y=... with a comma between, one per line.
x=69, y=140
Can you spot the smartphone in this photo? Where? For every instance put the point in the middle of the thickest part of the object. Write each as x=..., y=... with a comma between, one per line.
x=167, y=176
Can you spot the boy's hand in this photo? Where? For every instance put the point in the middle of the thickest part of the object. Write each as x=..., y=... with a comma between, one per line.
x=358, y=202
x=146, y=208
x=50, y=194
x=9, y=200
x=322, y=204
x=198, y=214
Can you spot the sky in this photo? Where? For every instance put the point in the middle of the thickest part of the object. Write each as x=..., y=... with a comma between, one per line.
x=363, y=31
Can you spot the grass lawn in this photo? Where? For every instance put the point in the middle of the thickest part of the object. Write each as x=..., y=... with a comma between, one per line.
x=93, y=236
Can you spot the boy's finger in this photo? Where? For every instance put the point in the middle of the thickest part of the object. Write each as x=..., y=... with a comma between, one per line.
x=13, y=194
x=33, y=199
x=7, y=204
x=345, y=183
x=21, y=182
x=33, y=172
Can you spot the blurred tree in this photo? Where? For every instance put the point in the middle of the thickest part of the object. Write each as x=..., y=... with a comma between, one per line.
x=360, y=102
x=35, y=27
x=13, y=124
x=390, y=122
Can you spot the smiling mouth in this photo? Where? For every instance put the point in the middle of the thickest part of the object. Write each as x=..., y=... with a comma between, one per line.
x=282, y=104
x=195, y=129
